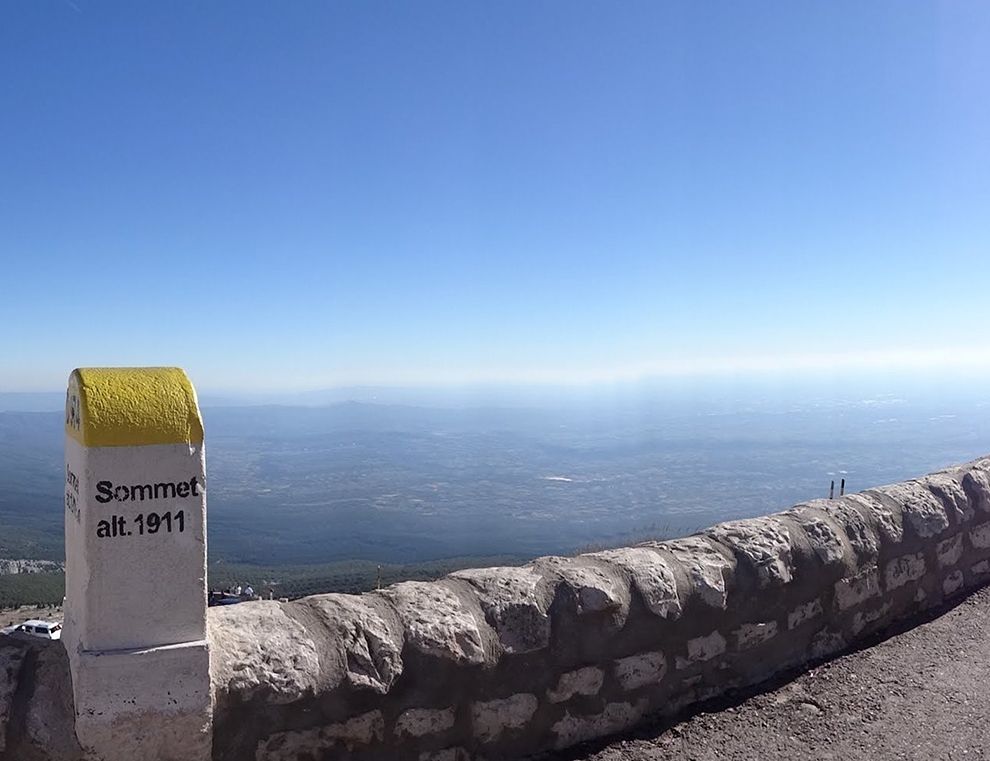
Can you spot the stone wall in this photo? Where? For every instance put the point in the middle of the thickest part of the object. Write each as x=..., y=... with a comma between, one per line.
x=36, y=716
x=504, y=662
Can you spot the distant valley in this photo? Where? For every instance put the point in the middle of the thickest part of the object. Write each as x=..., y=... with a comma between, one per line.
x=390, y=483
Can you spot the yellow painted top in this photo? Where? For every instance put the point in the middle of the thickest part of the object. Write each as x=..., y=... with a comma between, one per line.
x=132, y=406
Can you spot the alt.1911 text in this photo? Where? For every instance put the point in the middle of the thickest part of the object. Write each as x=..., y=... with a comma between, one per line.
x=141, y=524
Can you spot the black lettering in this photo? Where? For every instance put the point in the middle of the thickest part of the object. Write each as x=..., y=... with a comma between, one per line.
x=103, y=529
x=105, y=489
x=71, y=479
x=163, y=489
x=142, y=492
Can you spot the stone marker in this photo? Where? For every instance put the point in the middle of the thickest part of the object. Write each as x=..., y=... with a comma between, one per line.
x=135, y=572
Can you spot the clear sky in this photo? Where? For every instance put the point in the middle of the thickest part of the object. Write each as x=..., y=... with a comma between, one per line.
x=303, y=194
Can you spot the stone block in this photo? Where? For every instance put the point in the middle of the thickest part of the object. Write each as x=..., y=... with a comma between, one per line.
x=417, y=722
x=762, y=543
x=854, y=590
x=949, y=551
x=750, y=635
x=356, y=733
x=922, y=511
x=979, y=536
x=707, y=569
x=367, y=634
x=126, y=711
x=260, y=650
x=493, y=717
x=825, y=534
x=701, y=649
x=642, y=670
x=597, y=588
x=884, y=520
x=976, y=484
x=515, y=602
x=585, y=681
x=903, y=570
x=652, y=576
x=951, y=494
x=437, y=622
x=571, y=729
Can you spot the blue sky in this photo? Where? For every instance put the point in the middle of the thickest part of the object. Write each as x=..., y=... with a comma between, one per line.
x=300, y=195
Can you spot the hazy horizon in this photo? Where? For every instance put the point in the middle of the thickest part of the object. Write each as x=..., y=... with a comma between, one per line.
x=835, y=383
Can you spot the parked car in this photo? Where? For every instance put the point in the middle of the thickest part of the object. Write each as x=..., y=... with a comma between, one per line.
x=224, y=598
x=35, y=628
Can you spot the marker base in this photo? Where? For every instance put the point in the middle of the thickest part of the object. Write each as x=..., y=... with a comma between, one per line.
x=144, y=704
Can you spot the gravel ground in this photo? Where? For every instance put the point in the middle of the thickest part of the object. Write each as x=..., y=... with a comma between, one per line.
x=921, y=694
x=10, y=616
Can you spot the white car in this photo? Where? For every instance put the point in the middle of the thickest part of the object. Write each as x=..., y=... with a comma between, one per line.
x=35, y=628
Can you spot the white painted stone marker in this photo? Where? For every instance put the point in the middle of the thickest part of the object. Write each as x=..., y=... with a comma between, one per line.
x=135, y=564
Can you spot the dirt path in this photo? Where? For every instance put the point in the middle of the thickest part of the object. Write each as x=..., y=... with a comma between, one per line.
x=922, y=694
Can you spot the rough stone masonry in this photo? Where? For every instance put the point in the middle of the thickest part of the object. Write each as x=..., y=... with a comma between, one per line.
x=501, y=663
